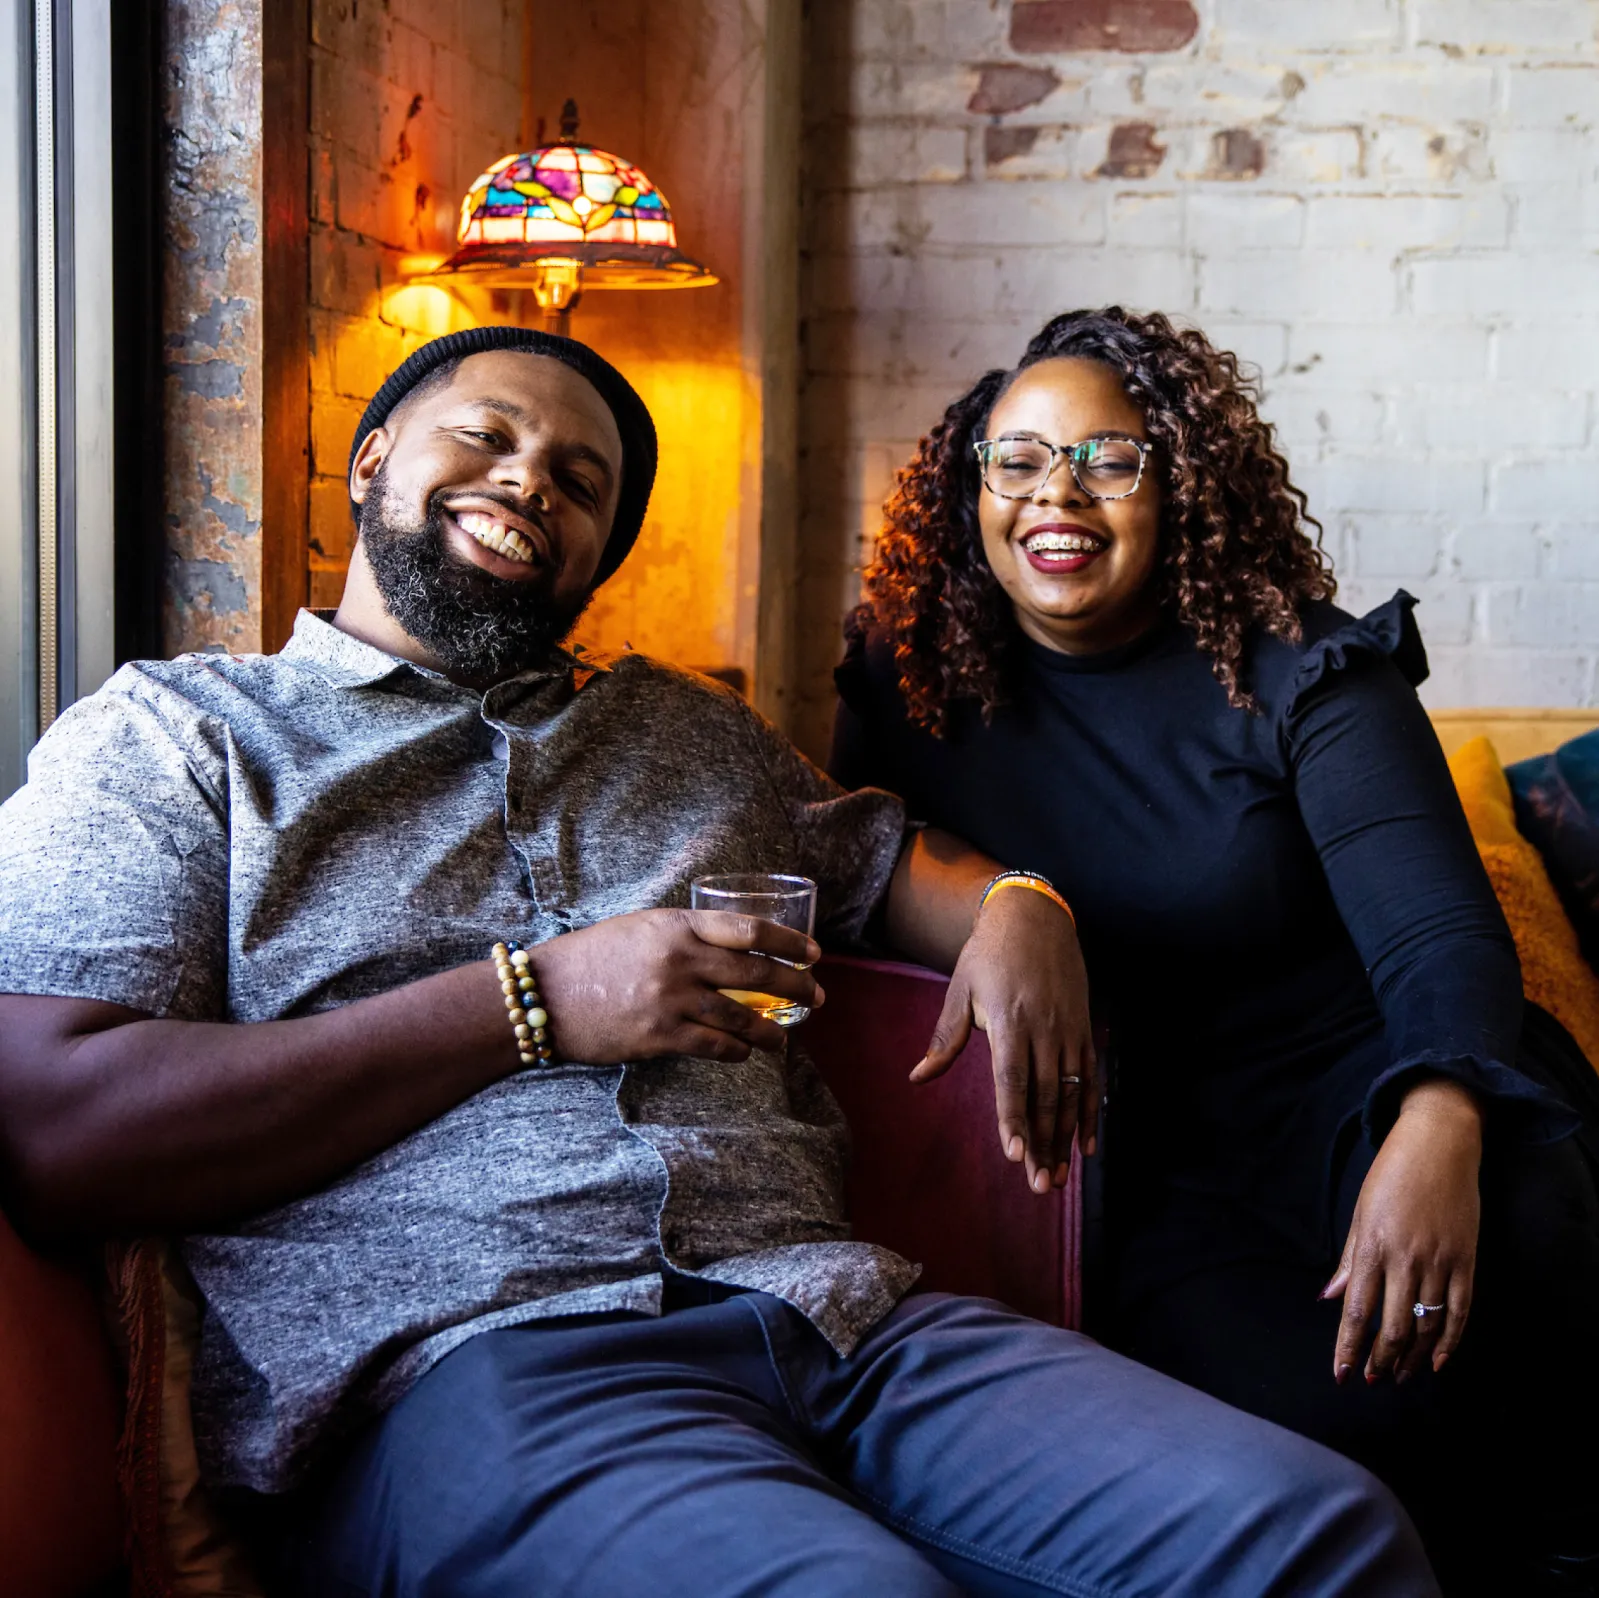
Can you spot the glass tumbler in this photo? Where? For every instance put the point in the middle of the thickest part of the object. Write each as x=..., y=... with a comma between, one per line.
x=772, y=896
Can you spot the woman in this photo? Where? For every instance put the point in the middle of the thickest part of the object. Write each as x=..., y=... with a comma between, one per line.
x=1097, y=641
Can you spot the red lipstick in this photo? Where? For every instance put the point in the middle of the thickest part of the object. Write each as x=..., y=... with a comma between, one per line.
x=1061, y=549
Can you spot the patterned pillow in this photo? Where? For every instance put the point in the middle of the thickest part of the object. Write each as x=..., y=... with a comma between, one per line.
x=1553, y=971
x=1557, y=809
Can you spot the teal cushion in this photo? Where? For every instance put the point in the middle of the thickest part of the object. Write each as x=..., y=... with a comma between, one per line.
x=1557, y=809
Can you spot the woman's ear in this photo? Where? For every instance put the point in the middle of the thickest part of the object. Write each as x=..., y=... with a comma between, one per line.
x=374, y=448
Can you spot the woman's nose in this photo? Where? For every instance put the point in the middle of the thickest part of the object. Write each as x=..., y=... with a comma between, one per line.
x=1060, y=487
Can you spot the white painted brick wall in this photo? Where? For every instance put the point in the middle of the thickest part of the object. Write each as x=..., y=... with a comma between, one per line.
x=1415, y=270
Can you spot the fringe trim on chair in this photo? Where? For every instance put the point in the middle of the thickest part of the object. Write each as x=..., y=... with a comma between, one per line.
x=133, y=1272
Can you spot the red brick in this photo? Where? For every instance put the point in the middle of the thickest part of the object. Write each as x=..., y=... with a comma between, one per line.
x=1041, y=27
x=1133, y=152
x=333, y=424
x=1000, y=144
x=1006, y=88
x=1236, y=153
x=327, y=588
x=332, y=531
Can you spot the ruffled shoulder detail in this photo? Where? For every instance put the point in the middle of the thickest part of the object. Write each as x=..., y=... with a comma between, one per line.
x=866, y=676
x=1387, y=633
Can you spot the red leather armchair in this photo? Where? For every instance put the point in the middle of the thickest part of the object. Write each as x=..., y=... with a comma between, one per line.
x=60, y=1411
x=928, y=1180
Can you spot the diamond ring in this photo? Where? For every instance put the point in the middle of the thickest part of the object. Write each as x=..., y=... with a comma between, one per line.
x=1418, y=1309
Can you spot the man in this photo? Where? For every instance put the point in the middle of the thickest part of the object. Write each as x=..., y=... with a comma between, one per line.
x=595, y=1325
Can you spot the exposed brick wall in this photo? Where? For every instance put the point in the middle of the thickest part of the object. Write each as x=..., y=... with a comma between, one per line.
x=1390, y=206
x=211, y=314
x=410, y=100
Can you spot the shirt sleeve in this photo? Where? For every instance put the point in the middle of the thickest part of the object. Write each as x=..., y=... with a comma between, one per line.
x=1376, y=794
x=848, y=843
x=114, y=865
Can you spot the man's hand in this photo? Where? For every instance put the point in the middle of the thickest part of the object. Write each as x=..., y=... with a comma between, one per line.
x=1020, y=978
x=642, y=985
x=1413, y=1239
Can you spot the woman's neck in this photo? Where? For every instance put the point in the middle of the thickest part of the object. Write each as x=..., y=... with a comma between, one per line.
x=1096, y=635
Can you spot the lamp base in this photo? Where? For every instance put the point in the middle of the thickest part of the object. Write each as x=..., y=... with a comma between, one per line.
x=557, y=287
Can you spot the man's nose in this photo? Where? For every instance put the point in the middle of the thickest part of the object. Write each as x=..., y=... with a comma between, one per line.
x=525, y=476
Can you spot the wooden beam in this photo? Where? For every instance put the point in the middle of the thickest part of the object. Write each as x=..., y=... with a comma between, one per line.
x=138, y=216
x=285, y=295
x=772, y=251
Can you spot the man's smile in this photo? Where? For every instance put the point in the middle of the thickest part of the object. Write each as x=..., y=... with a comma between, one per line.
x=513, y=545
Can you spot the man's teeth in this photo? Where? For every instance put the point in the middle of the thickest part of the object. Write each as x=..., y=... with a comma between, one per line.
x=496, y=535
x=1062, y=543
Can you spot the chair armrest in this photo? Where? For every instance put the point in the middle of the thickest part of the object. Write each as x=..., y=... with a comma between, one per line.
x=60, y=1411
x=927, y=1176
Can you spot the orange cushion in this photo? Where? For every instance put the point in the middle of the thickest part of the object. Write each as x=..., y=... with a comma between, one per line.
x=1553, y=971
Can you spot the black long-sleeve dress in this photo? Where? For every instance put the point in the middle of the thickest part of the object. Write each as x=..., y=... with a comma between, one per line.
x=1286, y=924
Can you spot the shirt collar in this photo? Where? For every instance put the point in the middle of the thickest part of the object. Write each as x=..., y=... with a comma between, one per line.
x=344, y=661
x=347, y=662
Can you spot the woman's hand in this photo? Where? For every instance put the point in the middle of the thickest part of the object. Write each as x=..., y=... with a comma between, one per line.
x=1020, y=978
x=1413, y=1239
x=638, y=986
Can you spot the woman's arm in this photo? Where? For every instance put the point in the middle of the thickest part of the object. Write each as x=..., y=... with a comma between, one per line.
x=1376, y=795
x=1378, y=800
x=1018, y=974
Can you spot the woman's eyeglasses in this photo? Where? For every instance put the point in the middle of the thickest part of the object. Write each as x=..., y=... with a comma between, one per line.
x=1104, y=468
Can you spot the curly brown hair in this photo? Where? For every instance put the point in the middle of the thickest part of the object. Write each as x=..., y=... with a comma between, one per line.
x=1234, y=550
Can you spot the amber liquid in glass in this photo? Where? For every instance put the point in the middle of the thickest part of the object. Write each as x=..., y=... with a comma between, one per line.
x=788, y=900
x=785, y=1012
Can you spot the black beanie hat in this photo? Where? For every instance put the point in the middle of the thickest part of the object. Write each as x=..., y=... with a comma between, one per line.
x=633, y=419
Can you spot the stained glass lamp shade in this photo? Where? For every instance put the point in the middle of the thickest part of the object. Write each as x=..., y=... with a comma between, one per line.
x=567, y=217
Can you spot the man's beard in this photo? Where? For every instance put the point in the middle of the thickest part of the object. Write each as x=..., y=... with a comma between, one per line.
x=476, y=625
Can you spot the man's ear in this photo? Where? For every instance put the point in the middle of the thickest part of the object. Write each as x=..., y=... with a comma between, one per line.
x=370, y=456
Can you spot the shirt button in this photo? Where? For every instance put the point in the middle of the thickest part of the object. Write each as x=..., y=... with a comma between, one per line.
x=502, y=749
x=672, y=1240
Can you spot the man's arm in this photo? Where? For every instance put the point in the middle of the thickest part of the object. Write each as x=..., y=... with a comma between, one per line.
x=1018, y=974
x=113, y=1120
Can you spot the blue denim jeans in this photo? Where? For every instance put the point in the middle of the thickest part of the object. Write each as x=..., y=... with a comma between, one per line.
x=725, y=1449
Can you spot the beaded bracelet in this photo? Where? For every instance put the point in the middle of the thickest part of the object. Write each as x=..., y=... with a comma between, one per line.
x=530, y=1021
x=1027, y=879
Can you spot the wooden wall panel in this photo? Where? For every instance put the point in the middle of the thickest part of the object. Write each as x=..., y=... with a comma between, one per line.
x=285, y=282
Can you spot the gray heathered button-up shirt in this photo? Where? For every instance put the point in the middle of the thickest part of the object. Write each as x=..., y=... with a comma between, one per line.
x=225, y=838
